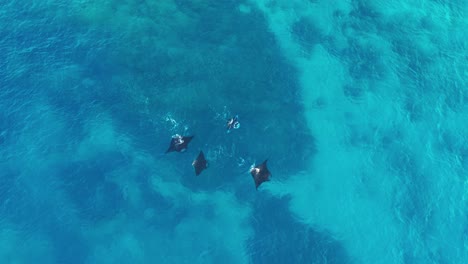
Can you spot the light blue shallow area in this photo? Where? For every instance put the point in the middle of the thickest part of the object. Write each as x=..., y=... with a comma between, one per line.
x=360, y=107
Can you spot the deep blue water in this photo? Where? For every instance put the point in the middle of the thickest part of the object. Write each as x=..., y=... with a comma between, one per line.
x=360, y=107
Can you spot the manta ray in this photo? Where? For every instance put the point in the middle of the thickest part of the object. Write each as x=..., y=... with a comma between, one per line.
x=200, y=163
x=179, y=143
x=260, y=174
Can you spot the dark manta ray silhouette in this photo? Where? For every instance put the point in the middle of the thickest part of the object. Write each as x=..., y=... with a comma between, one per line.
x=179, y=143
x=260, y=174
x=200, y=163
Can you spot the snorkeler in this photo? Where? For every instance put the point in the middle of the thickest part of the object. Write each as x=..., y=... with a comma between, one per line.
x=233, y=123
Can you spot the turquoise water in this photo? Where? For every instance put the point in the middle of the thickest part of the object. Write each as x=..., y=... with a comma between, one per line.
x=361, y=108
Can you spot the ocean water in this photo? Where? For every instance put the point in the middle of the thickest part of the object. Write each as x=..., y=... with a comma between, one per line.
x=360, y=107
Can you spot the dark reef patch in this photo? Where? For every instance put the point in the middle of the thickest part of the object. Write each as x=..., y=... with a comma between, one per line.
x=306, y=34
x=94, y=195
x=279, y=238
